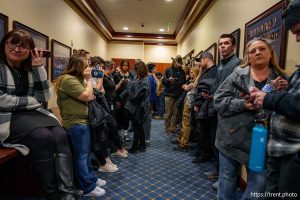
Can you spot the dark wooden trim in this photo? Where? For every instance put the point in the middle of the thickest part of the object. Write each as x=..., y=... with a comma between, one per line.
x=144, y=35
x=214, y=47
x=184, y=15
x=7, y=153
x=242, y=184
x=238, y=33
x=159, y=44
x=93, y=5
x=199, y=15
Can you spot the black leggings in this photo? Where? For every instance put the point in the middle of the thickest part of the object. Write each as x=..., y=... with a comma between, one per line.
x=114, y=140
x=44, y=142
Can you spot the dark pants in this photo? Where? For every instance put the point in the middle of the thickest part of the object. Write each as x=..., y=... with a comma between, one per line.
x=139, y=136
x=122, y=119
x=54, y=138
x=206, y=128
x=283, y=174
x=114, y=140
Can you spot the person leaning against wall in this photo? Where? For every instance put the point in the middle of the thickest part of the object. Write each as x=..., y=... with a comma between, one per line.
x=173, y=79
x=237, y=118
x=24, y=124
x=283, y=166
x=74, y=90
x=229, y=61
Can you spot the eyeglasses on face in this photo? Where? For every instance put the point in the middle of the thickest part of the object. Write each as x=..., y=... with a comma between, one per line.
x=13, y=46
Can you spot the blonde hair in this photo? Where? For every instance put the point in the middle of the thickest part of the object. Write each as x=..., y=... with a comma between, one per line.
x=273, y=61
x=195, y=71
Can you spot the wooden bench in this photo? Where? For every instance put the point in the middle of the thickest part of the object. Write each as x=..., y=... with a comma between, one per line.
x=16, y=175
x=7, y=154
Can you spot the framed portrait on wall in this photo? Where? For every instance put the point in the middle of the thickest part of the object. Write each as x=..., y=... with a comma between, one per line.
x=61, y=54
x=3, y=25
x=237, y=35
x=213, y=50
x=40, y=40
x=269, y=25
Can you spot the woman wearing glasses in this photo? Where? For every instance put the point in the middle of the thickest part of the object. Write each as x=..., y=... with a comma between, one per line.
x=24, y=124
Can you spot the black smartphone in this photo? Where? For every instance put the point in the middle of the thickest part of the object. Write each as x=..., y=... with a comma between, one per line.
x=240, y=88
x=96, y=73
x=46, y=53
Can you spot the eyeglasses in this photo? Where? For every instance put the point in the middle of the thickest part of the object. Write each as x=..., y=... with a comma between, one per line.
x=13, y=46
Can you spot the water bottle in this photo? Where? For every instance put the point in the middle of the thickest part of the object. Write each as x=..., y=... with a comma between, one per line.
x=258, y=148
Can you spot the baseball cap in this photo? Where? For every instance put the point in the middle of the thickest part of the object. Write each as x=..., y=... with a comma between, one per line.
x=205, y=54
x=291, y=15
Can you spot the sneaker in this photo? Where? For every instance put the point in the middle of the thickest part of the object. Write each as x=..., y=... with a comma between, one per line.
x=97, y=192
x=108, y=161
x=107, y=168
x=215, y=186
x=100, y=182
x=119, y=154
x=211, y=175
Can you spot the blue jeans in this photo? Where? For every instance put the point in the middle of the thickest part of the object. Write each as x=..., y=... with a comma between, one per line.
x=80, y=139
x=159, y=105
x=228, y=179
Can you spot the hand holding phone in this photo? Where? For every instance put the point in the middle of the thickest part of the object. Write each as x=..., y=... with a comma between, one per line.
x=46, y=53
x=96, y=73
x=240, y=88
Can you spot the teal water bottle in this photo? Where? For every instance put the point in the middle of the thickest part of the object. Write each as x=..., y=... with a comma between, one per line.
x=258, y=148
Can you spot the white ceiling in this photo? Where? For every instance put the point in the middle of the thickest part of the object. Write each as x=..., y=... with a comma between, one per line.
x=154, y=14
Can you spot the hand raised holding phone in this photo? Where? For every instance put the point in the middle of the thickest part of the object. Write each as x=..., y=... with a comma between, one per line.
x=37, y=55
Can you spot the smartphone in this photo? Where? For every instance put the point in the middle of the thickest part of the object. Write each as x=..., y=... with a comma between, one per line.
x=240, y=88
x=46, y=53
x=96, y=73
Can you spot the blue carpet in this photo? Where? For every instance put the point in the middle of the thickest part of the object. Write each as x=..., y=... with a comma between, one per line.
x=158, y=173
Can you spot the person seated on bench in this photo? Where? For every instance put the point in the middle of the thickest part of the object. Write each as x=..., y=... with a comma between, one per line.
x=24, y=124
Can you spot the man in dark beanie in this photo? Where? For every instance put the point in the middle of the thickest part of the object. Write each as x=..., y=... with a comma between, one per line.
x=283, y=166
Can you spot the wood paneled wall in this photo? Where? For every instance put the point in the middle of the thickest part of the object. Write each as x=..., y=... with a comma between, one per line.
x=160, y=67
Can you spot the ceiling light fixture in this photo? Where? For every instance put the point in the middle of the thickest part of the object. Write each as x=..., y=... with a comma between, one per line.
x=161, y=30
x=125, y=28
x=169, y=0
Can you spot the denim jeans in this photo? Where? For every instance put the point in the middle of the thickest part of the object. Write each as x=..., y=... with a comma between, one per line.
x=160, y=105
x=80, y=139
x=284, y=174
x=228, y=179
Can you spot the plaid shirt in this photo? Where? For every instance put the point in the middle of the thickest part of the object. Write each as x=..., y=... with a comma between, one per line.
x=285, y=130
x=39, y=91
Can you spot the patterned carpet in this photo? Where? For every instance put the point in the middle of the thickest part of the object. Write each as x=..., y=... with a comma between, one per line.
x=158, y=173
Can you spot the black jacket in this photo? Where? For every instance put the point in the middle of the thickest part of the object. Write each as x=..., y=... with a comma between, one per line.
x=174, y=89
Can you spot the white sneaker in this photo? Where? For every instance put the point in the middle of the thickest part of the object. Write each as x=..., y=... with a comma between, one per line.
x=100, y=182
x=108, y=161
x=119, y=154
x=97, y=192
x=107, y=168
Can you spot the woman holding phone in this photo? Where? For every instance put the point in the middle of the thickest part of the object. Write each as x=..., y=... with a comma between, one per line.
x=25, y=125
x=74, y=90
x=236, y=117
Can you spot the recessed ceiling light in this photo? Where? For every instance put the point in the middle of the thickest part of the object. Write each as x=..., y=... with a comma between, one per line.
x=161, y=30
x=125, y=28
x=169, y=0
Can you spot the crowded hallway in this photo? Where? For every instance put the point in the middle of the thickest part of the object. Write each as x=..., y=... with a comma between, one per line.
x=106, y=102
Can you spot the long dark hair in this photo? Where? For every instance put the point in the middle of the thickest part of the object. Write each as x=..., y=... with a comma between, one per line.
x=18, y=36
x=75, y=67
x=141, y=69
